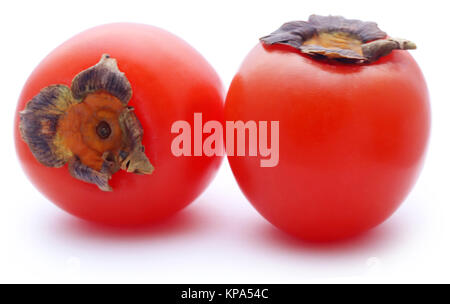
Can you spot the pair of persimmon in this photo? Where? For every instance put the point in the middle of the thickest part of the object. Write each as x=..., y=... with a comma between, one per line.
x=352, y=108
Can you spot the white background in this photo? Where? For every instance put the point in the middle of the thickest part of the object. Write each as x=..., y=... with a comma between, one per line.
x=220, y=237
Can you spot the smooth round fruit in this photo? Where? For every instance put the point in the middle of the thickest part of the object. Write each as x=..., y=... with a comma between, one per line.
x=169, y=82
x=352, y=138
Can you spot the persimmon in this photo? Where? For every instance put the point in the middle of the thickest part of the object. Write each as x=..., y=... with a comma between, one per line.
x=354, y=122
x=93, y=123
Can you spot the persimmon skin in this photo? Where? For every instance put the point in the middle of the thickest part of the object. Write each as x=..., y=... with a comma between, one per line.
x=352, y=139
x=170, y=81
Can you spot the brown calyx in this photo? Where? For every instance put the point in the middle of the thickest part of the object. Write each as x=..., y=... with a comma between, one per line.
x=336, y=41
x=83, y=128
x=89, y=126
x=337, y=38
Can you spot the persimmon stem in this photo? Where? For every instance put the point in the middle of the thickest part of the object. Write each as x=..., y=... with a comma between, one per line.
x=376, y=49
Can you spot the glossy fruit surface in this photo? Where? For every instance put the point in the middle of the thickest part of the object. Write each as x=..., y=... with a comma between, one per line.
x=352, y=138
x=170, y=81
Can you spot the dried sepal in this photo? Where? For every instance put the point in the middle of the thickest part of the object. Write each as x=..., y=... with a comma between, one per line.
x=364, y=31
x=104, y=76
x=335, y=37
x=82, y=172
x=291, y=33
x=39, y=123
x=133, y=159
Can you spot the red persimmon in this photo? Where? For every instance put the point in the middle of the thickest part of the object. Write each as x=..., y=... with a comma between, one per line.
x=93, y=124
x=354, y=122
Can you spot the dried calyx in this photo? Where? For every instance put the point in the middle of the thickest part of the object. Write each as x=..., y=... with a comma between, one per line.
x=337, y=38
x=89, y=126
